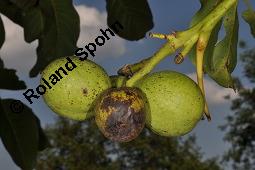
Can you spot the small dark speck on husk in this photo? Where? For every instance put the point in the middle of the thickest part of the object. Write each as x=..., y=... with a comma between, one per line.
x=85, y=91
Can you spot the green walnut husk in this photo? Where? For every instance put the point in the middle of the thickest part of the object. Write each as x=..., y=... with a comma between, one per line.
x=176, y=102
x=74, y=95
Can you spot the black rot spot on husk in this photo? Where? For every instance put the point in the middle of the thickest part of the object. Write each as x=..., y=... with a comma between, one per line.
x=111, y=101
x=123, y=122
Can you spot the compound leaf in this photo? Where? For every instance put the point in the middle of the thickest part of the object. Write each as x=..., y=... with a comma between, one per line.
x=43, y=142
x=32, y=23
x=30, y=19
x=24, y=4
x=219, y=58
x=134, y=16
x=224, y=58
x=20, y=133
x=60, y=34
x=2, y=33
x=11, y=11
x=249, y=17
x=9, y=79
x=206, y=7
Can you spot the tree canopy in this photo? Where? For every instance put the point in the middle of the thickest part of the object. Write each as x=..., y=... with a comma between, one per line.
x=240, y=126
x=80, y=145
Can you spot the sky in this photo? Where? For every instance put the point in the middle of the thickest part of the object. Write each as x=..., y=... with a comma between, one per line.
x=168, y=16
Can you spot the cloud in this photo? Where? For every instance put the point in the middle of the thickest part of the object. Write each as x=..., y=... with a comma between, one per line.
x=17, y=54
x=91, y=23
x=5, y=160
x=215, y=93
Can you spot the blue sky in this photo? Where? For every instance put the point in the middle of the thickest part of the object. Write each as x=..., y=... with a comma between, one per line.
x=168, y=16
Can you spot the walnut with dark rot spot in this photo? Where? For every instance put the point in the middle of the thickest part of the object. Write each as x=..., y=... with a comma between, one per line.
x=120, y=113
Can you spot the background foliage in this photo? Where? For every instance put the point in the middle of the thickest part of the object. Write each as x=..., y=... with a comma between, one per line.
x=76, y=145
x=240, y=127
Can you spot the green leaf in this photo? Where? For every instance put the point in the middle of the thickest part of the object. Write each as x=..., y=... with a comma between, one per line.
x=24, y=4
x=43, y=140
x=9, y=79
x=219, y=59
x=134, y=16
x=32, y=23
x=60, y=35
x=210, y=47
x=20, y=134
x=206, y=7
x=224, y=58
x=249, y=17
x=11, y=11
x=30, y=19
x=2, y=33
